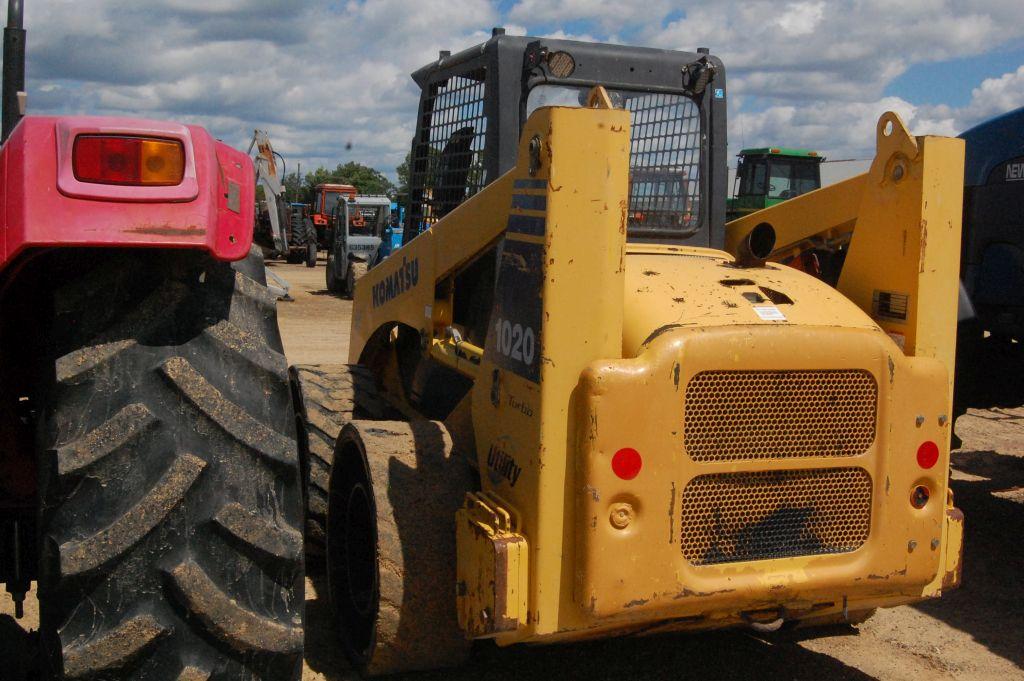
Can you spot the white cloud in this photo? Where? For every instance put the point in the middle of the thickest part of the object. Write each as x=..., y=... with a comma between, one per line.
x=319, y=74
x=316, y=75
x=801, y=18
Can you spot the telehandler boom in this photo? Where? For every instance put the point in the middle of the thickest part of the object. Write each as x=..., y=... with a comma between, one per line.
x=569, y=414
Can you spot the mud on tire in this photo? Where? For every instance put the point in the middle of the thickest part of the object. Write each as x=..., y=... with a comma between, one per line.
x=357, y=269
x=395, y=488
x=326, y=397
x=170, y=488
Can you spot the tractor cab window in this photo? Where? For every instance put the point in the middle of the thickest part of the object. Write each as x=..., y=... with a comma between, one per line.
x=791, y=177
x=752, y=173
x=364, y=220
x=326, y=202
x=664, y=158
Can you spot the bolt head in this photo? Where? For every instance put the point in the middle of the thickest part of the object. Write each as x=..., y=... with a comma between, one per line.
x=621, y=515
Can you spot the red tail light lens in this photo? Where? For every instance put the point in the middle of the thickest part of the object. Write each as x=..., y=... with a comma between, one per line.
x=927, y=454
x=626, y=463
x=141, y=161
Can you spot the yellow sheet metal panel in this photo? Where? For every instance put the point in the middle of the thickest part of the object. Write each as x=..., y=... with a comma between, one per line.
x=560, y=282
x=666, y=290
x=904, y=260
x=758, y=488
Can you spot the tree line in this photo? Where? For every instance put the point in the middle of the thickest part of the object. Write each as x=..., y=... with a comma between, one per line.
x=365, y=179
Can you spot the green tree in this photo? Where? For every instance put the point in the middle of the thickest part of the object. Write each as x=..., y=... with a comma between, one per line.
x=293, y=188
x=403, y=174
x=365, y=179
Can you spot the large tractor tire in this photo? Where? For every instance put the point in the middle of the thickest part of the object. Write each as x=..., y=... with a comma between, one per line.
x=310, y=244
x=170, y=487
x=394, y=491
x=326, y=397
x=357, y=269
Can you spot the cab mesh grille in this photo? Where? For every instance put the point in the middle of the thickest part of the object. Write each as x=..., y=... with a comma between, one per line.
x=738, y=415
x=734, y=517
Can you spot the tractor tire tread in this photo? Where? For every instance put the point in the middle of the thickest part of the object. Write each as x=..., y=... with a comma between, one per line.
x=327, y=396
x=169, y=481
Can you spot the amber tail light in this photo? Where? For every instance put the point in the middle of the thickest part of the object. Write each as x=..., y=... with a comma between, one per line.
x=123, y=160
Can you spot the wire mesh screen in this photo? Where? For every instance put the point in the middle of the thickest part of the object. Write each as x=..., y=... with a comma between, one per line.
x=664, y=160
x=448, y=160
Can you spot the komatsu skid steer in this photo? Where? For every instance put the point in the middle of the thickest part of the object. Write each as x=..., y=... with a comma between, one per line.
x=570, y=413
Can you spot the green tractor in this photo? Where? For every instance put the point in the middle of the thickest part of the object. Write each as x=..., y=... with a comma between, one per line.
x=770, y=175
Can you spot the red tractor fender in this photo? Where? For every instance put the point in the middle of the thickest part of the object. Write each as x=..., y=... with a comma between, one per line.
x=42, y=204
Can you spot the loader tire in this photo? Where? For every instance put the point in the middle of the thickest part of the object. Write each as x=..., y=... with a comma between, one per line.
x=170, y=489
x=356, y=271
x=326, y=397
x=395, y=488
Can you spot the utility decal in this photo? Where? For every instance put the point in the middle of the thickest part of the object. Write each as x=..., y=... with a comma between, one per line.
x=502, y=465
x=398, y=282
x=514, y=334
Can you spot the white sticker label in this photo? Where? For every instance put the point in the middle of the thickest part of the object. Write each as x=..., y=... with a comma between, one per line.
x=898, y=338
x=769, y=313
x=428, y=311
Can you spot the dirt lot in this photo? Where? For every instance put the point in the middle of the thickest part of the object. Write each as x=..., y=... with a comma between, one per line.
x=974, y=633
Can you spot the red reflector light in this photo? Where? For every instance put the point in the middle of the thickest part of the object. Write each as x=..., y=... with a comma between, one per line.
x=927, y=454
x=141, y=161
x=627, y=463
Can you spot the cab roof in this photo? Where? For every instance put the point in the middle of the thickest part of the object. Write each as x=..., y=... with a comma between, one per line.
x=781, y=151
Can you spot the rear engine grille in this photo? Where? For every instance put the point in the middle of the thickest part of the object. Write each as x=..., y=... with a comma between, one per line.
x=737, y=415
x=734, y=517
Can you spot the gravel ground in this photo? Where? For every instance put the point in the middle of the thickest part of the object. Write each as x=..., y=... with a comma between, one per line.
x=976, y=632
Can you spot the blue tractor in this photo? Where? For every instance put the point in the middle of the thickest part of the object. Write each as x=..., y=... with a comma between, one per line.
x=992, y=265
x=394, y=231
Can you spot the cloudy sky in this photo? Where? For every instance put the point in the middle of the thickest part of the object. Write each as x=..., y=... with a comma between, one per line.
x=318, y=74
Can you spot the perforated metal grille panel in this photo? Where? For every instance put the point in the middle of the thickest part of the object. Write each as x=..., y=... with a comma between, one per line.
x=447, y=166
x=735, y=517
x=738, y=415
x=664, y=190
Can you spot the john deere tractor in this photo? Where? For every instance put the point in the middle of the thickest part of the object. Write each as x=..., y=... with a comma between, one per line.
x=770, y=175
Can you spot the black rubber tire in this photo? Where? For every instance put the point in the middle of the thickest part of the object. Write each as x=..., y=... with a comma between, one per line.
x=310, y=244
x=294, y=256
x=326, y=397
x=357, y=269
x=335, y=284
x=395, y=488
x=170, y=488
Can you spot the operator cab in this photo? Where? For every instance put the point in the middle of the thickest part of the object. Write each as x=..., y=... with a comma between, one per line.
x=474, y=104
x=765, y=177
